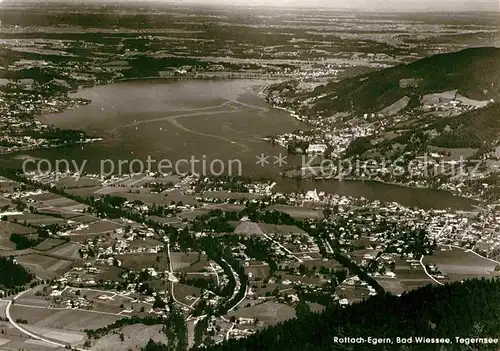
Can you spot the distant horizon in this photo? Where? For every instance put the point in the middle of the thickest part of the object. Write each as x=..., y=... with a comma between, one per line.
x=359, y=6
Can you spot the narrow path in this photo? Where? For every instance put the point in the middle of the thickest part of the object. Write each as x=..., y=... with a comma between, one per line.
x=425, y=270
x=172, y=283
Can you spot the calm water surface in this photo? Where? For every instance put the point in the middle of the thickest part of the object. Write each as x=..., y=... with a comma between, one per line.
x=206, y=121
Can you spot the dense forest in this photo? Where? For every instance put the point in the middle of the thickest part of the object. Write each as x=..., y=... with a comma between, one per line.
x=468, y=310
x=467, y=70
x=13, y=274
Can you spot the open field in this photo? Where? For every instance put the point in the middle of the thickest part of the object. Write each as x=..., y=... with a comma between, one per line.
x=181, y=260
x=86, y=192
x=198, y=267
x=111, y=305
x=411, y=278
x=69, y=250
x=459, y=264
x=269, y=312
x=3, y=305
x=145, y=197
x=225, y=207
x=98, y=227
x=110, y=273
x=48, y=244
x=4, y=202
x=192, y=214
x=280, y=229
x=59, y=203
x=85, y=219
x=13, y=341
x=391, y=285
x=248, y=228
x=7, y=229
x=83, y=182
x=30, y=298
x=65, y=214
x=298, y=212
x=260, y=271
x=63, y=319
x=46, y=197
x=36, y=219
x=136, y=337
x=43, y=266
x=186, y=293
x=138, y=261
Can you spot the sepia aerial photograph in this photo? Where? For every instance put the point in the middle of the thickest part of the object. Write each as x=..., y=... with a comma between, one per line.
x=249, y=175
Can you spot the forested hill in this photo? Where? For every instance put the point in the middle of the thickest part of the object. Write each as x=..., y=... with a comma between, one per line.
x=470, y=309
x=474, y=72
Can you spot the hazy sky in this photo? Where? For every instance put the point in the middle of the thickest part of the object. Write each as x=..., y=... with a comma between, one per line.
x=371, y=5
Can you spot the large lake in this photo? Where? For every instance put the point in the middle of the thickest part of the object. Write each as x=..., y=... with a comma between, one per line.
x=204, y=120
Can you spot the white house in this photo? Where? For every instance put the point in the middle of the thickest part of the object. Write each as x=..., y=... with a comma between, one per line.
x=316, y=149
x=312, y=195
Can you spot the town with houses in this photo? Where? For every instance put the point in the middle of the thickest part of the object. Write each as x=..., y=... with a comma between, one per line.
x=173, y=261
x=118, y=256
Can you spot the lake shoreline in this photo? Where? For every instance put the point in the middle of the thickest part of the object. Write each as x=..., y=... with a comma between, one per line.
x=254, y=104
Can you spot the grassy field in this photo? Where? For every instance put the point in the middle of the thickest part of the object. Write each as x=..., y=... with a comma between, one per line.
x=136, y=337
x=411, y=278
x=225, y=207
x=111, y=306
x=261, y=271
x=144, y=196
x=459, y=264
x=80, y=183
x=138, y=261
x=269, y=312
x=85, y=219
x=98, y=227
x=7, y=229
x=181, y=260
x=69, y=250
x=298, y=212
x=36, y=219
x=109, y=273
x=66, y=214
x=186, y=293
x=248, y=228
x=43, y=266
x=48, y=244
x=391, y=285
x=192, y=214
x=280, y=229
x=59, y=202
x=30, y=298
x=65, y=319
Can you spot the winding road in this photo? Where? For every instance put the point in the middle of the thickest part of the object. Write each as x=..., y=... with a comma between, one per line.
x=27, y=332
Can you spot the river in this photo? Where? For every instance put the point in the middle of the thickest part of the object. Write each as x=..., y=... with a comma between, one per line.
x=218, y=124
